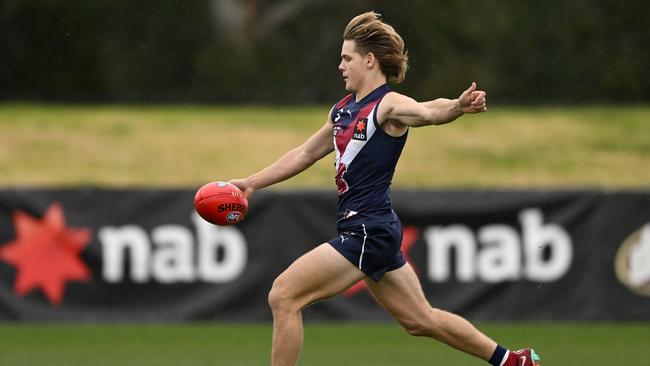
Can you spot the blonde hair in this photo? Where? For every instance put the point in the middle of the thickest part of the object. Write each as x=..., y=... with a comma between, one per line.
x=371, y=34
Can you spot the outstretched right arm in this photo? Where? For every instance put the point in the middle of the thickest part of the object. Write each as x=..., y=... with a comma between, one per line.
x=290, y=164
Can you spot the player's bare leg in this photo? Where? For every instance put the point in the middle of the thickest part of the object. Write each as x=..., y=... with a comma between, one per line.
x=400, y=293
x=319, y=274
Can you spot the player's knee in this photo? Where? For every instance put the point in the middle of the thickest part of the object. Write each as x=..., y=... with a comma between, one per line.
x=424, y=326
x=277, y=296
x=280, y=297
x=417, y=328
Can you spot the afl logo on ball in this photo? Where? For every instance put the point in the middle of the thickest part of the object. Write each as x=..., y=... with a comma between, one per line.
x=632, y=263
x=233, y=216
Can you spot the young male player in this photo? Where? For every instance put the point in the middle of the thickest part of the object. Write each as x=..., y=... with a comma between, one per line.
x=367, y=129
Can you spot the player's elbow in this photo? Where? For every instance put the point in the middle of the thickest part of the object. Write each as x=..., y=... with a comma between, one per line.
x=309, y=156
x=306, y=158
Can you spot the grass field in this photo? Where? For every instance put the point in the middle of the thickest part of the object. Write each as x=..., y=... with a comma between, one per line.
x=337, y=344
x=173, y=146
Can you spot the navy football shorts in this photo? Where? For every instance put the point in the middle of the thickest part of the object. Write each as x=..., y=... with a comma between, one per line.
x=373, y=247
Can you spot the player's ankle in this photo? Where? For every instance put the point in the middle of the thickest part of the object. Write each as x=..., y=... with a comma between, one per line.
x=502, y=357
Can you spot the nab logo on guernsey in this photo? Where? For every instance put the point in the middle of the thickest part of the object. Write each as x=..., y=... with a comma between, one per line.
x=542, y=253
x=360, y=129
x=632, y=262
x=173, y=253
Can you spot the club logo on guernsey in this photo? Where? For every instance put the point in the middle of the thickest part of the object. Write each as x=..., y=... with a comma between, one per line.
x=338, y=114
x=360, y=129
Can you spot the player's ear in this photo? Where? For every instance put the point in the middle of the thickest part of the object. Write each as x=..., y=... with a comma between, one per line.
x=370, y=59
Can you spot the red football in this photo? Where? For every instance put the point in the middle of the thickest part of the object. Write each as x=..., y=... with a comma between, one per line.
x=221, y=203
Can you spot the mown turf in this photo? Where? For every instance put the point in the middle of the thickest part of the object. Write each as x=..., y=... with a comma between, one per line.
x=338, y=344
x=69, y=145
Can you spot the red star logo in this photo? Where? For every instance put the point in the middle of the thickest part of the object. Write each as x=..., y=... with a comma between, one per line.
x=361, y=125
x=409, y=235
x=46, y=253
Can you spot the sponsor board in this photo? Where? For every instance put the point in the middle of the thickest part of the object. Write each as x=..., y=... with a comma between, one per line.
x=142, y=255
x=173, y=253
x=496, y=252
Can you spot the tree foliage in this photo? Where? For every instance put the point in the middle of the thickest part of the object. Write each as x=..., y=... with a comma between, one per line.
x=287, y=51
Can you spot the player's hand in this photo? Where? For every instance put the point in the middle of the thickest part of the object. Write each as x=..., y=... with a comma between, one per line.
x=472, y=100
x=243, y=184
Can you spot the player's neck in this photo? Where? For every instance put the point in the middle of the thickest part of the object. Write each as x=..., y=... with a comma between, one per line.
x=369, y=85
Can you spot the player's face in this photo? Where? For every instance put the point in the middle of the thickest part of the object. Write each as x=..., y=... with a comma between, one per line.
x=352, y=66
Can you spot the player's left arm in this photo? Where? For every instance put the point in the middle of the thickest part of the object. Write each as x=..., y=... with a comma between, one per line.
x=407, y=111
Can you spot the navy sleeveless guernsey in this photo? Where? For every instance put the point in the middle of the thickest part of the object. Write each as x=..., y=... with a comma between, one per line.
x=370, y=233
x=366, y=157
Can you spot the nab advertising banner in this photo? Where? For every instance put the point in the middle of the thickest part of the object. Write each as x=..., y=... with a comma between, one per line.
x=119, y=255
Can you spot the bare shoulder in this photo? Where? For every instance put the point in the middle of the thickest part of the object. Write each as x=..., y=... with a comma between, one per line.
x=386, y=116
x=392, y=99
x=393, y=103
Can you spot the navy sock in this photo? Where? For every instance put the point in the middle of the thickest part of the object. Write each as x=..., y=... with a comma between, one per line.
x=498, y=355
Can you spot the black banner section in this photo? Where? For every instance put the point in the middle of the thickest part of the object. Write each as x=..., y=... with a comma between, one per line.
x=120, y=255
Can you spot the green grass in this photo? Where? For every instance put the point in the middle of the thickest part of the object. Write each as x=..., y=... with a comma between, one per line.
x=171, y=146
x=325, y=344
